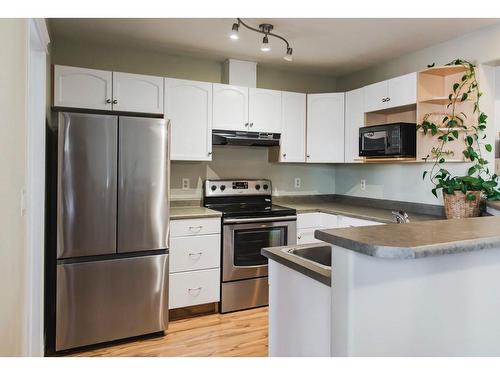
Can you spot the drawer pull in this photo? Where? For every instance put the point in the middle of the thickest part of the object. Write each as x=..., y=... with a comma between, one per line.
x=195, y=228
x=195, y=290
x=195, y=254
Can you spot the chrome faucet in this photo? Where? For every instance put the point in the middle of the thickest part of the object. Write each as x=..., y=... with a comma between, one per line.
x=401, y=217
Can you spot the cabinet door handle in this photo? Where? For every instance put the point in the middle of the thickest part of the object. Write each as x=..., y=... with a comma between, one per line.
x=115, y=101
x=209, y=153
x=284, y=155
x=196, y=228
x=251, y=124
x=308, y=155
x=191, y=290
x=195, y=254
x=108, y=101
x=384, y=100
x=388, y=99
x=299, y=236
x=246, y=123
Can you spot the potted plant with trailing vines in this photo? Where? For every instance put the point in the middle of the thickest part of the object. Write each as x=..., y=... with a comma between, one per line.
x=462, y=194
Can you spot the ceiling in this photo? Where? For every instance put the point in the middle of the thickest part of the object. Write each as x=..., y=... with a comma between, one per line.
x=324, y=46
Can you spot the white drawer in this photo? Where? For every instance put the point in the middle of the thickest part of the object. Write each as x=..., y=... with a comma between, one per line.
x=309, y=220
x=345, y=221
x=194, y=253
x=194, y=227
x=194, y=288
x=306, y=236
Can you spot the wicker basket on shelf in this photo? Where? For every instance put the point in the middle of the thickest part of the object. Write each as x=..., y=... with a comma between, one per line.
x=456, y=206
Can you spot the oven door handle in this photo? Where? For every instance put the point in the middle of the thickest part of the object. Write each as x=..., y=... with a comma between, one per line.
x=259, y=220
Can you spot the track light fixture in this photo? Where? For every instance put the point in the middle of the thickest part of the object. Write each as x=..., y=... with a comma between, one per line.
x=265, y=29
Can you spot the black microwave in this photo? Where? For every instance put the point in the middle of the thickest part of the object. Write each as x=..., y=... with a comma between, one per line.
x=392, y=140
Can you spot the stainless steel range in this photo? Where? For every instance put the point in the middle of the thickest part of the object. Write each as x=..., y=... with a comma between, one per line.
x=249, y=222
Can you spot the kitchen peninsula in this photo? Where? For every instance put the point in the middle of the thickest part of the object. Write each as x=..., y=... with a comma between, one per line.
x=419, y=289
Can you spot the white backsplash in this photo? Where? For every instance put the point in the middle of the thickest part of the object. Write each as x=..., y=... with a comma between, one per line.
x=251, y=162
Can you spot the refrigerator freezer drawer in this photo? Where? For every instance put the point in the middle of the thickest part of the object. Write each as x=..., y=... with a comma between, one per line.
x=107, y=300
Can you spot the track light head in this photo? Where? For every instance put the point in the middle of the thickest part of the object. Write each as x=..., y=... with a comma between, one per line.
x=288, y=55
x=265, y=47
x=234, y=32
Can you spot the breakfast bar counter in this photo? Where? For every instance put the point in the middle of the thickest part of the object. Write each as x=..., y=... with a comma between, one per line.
x=419, y=289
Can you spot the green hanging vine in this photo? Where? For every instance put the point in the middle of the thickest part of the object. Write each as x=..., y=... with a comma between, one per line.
x=479, y=177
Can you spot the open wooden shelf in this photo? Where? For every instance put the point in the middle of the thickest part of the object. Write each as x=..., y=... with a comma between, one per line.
x=434, y=86
x=442, y=100
x=444, y=70
x=385, y=160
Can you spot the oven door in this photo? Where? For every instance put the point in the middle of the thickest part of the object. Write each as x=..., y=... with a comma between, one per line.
x=373, y=143
x=243, y=240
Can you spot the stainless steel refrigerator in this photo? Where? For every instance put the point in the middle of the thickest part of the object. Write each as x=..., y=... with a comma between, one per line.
x=108, y=265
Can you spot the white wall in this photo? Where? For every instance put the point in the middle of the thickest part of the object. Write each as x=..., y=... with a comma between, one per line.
x=13, y=75
x=251, y=162
x=404, y=181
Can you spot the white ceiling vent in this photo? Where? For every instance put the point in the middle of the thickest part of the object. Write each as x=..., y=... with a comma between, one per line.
x=239, y=73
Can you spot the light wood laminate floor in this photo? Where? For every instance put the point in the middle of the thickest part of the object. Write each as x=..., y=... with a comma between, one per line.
x=242, y=333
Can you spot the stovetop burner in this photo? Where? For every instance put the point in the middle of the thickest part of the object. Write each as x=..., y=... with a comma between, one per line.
x=251, y=210
x=242, y=199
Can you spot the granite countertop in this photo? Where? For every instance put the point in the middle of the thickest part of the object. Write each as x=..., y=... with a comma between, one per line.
x=317, y=272
x=192, y=212
x=419, y=239
x=355, y=210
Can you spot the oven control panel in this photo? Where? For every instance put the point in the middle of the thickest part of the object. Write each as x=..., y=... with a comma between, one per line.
x=219, y=188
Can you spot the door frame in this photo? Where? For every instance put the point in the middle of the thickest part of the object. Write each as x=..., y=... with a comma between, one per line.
x=34, y=193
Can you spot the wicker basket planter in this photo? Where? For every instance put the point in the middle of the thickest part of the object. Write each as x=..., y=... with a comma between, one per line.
x=456, y=206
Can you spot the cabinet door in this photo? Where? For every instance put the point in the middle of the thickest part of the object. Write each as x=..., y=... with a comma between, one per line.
x=137, y=93
x=307, y=236
x=230, y=107
x=293, y=133
x=354, y=119
x=325, y=128
x=188, y=106
x=402, y=90
x=375, y=96
x=82, y=88
x=264, y=110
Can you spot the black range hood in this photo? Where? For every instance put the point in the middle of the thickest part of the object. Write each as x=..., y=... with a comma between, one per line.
x=240, y=138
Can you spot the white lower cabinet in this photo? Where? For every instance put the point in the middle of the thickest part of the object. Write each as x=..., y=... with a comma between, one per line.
x=194, y=266
x=346, y=221
x=308, y=223
x=307, y=236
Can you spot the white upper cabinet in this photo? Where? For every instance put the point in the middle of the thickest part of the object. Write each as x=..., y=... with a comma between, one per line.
x=402, y=90
x=375, y=96
x=293, y=135
x=137, y=93
x=264, y=110
x=230, y=107
x=325, y=128
x=354, y=119
x=82, y=88
x=395, y=92
x=188, y=106
x=104, y=90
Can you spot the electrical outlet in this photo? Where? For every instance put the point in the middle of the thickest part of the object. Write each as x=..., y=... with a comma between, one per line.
x=363, y=184
x=185, y=184
x=297, y=182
